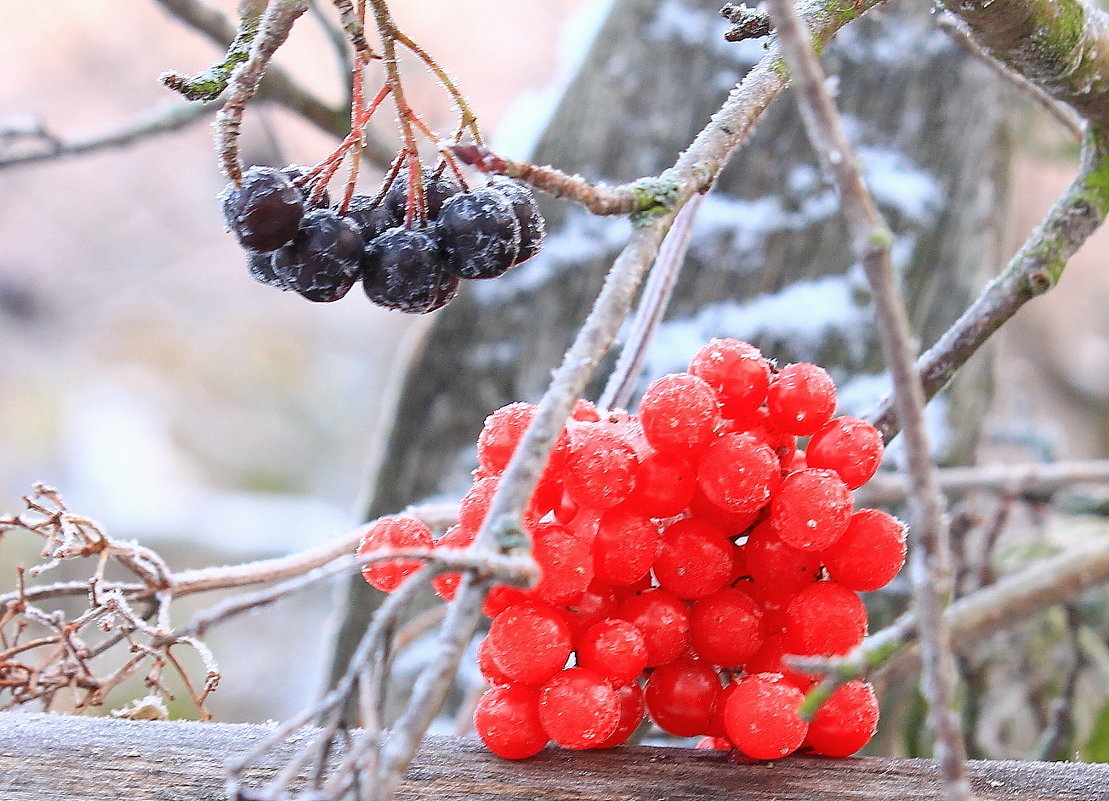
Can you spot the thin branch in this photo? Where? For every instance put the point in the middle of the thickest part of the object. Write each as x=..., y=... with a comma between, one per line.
x=1035, y=479
x=930, y=565
x=1064, y=115
x=652, y=306
x=1035, y=269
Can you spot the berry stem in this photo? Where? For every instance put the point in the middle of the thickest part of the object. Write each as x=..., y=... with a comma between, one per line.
x=930, y=566
x=467, y=118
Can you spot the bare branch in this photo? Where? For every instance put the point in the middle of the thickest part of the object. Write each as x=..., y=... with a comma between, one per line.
x=930, y=565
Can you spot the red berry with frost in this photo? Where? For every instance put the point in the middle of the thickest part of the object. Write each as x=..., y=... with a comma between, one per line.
x=726, y=627
x=731, y=523
x=825, y=619
x=578, y=709
x=811, y=509
x=501, y=433
x=761, y=717
x=601, y=467
x=629, y=701
x=679, y=413
x=662, y=618
x=529, y=643
x=565, y=562
x=869, y=554
x=507, y=721
x=614, y=649
x=713, y=744
x=739, y=473
x=475, y=503
x=597, y=603
x=625, y=547
x=802, y=398
x=664, y=486
x=845, y=722
x=770, y=658
x=778, y=567
x=680, y=696
x=848, y=445
x=737, y=372
x=492, y=674
x=502, y=596
x=393, y=532
x=695, y=559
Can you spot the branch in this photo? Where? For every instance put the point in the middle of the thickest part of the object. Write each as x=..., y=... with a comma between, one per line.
x=1036, y=268
x=1061, y=46
x=164, y=119
x=1036, y=479
x=930, y=566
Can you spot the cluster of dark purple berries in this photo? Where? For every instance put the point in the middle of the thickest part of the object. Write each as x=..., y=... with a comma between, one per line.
x=293, y=244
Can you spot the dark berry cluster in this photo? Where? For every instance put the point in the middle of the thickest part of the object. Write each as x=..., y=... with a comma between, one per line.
x=411, y=262
x=685, y=550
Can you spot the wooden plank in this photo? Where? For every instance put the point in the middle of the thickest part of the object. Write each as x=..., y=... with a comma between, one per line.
x=55, y=758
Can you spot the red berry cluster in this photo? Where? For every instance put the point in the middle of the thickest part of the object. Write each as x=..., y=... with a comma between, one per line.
x=684, y=551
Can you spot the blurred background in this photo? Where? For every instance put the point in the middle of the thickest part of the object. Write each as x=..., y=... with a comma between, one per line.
x=177, y=402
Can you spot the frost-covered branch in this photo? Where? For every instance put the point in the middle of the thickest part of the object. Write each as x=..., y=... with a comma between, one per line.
x=930, y=564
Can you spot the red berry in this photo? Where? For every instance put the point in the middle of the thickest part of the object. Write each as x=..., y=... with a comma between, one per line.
x=802, y=398
x=761, y=717
x=769, y=659
x=869, y=554
x=738, y=473
x=507, y=721
x=502, y=596
x=713, y=744
x=457, y=536
x=585, y=410
x=726, y=627
x=845, y=722
x=778, y=567
x=499, y=436
x=848, y=445
x=736, y=371
x=601, y=467
x=811, y=509
x=662, y=618
x=629, y=700
x=679, y=413
x=625, y=547
x=492, y=674
x=597, y=603
x=695, y=559
x=680, y=696
x=565, y=562
x=614, y=649
x=825, y=619
x=664, y=486
x=578, y=709
x=529, y=643
x=394, y=532
x=733, y=524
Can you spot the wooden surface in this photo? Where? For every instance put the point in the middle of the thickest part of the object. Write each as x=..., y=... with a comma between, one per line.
x=53, y=758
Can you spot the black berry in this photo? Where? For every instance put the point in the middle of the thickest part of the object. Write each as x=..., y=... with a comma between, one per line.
x=437, y=188
x=264, y=213
x=294, y=172
x=371, y=220
x=526, y=209
x=322, y=262
x=479, y=233
x=402, y=269
x=261, y=269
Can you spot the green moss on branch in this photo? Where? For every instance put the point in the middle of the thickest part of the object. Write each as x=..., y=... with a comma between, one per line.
x=210, y=83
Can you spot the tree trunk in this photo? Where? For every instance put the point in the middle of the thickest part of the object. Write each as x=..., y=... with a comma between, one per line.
x=770, y=261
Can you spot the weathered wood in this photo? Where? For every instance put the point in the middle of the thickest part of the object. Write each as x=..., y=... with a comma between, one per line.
x=53, y=758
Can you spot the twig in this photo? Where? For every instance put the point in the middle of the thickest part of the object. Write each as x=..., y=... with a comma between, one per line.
x=160, y=120
x=1055, y=741
x=1064, y=115
x=930, y=566
x=747, y=23
x=1035, y=479
x=652, y=306
x=1036, y=268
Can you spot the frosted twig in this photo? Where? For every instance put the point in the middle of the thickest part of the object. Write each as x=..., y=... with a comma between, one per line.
x=1036, y=268
x=652, y=306
x=273, y=29
x=747, y=23
x=1039, y=478
x=930, y=561
x=1064, y=115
